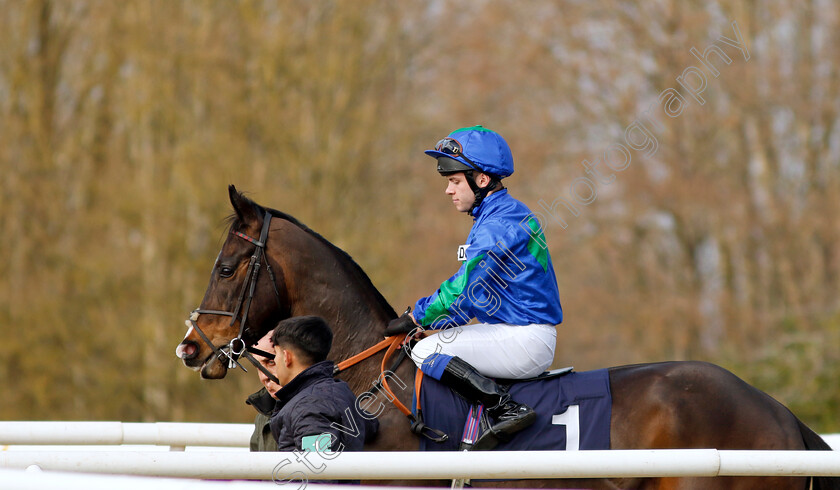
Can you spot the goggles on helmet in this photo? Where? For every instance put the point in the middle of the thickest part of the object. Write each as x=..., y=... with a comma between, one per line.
x=453, y=147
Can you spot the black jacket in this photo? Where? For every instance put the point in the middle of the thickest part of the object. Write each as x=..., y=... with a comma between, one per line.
x=315, y=403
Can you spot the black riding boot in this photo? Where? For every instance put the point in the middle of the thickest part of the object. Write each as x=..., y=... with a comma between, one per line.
x=509, y=416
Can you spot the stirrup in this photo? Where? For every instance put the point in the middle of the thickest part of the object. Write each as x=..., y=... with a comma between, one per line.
x=505, y=430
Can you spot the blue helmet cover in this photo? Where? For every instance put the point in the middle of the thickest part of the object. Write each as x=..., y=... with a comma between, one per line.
x=486, y=148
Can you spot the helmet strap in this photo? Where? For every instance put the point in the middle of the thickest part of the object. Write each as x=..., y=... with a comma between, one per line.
x=480, y=192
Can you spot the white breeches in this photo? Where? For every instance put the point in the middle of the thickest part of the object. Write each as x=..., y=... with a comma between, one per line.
x=497, y=350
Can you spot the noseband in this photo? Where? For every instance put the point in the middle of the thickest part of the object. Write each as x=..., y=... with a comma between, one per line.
x=236, y=348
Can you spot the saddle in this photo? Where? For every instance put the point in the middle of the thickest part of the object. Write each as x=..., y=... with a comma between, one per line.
x=554, y=373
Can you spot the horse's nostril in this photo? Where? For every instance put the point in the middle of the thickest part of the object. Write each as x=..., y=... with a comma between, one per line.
x=187, y=350
x=190, y=350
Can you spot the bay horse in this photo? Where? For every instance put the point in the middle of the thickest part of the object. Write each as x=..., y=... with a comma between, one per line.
x=655, y=406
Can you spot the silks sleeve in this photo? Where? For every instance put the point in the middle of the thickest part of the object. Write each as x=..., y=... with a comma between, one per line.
x=454, y=302
x=446, y=306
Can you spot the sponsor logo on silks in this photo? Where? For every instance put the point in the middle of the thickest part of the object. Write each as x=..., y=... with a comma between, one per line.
x=320, y=443
x=462, y=253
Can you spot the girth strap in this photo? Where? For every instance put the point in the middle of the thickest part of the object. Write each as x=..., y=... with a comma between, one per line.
x=418, y=426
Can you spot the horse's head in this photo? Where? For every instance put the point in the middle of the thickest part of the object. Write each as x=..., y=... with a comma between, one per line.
x=244, y=299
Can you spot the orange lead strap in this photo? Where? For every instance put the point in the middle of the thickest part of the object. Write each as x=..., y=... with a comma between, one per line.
x=361, y=356
x=418, y=382
x=395, y=344
x=392, y=344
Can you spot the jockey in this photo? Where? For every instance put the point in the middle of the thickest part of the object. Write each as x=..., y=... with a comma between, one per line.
x=506, y=281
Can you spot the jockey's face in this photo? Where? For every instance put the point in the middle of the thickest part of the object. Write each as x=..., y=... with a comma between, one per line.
x=265, y=345
x=459, y=190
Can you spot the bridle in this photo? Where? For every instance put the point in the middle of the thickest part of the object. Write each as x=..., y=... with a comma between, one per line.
x=237, y=348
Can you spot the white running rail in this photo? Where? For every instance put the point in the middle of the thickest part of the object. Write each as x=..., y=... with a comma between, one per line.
x=116, y=433
x=434, y=465
x=157, y=433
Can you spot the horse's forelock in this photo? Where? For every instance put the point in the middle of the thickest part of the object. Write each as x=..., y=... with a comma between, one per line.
x=232, y=222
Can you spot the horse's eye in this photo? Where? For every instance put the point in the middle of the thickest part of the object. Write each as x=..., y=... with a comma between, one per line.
x=225, y=271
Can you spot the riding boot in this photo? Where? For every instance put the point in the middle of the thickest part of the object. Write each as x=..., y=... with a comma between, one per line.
x=509, y=416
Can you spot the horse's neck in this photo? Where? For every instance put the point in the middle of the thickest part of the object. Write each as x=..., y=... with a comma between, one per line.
x=324, y=284
x=356, y=323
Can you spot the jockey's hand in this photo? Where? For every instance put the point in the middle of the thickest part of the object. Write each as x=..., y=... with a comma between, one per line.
x=403, y=324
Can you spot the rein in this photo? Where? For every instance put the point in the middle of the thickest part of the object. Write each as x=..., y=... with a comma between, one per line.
x=392, y=344
x=236, y=348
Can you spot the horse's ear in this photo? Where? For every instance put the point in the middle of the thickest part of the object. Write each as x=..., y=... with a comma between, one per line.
x=244, y=207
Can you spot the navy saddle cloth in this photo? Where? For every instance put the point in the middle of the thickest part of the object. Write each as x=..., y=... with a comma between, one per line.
x=573, y=412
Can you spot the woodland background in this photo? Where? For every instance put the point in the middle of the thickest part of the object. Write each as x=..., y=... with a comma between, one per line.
x=122, y=123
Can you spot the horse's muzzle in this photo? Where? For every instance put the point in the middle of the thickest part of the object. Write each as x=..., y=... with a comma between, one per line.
x=209, y=368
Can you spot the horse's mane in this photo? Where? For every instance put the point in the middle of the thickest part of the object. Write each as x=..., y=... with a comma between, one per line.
x=233, y=221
